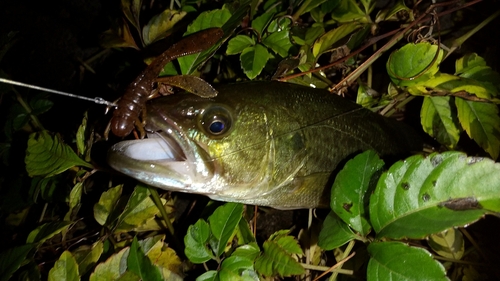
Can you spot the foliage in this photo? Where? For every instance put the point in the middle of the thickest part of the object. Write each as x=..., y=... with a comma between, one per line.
x=408, y=216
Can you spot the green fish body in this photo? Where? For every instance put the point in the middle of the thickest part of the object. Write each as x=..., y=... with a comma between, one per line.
x=261, y=143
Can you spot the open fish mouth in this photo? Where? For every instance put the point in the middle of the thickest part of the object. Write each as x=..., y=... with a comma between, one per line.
x=163, y=160
x=155, y=148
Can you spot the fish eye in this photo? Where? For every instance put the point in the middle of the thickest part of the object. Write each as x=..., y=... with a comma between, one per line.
x=216, y=121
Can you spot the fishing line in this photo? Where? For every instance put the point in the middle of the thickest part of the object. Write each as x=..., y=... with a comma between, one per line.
x=97, y=100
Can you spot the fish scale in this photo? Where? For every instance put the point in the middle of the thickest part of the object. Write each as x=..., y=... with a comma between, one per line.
x=283, y=143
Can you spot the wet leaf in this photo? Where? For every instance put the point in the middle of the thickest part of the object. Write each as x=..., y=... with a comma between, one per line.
x=352, y=183
x=398, y=261
x=12, y=259
x=214, y=18
x=260, y=23
x=250, y=251
x=482, y=123
x=87, y=256
x=439, y=120
x=140, y=265
x=334, y=233
x=237, y=265
x=279, y=42
x=47, y=231
x=210, y=275
x=113, y=268
x=47, y=156
x=223, y=223
x=239, y=43
x=327, y=40
x=196, y=240
x=253, y=60
x=414, y=63
x=65, y=268
x=420, y=196
x=448, y=244
x=160, y=25
x=106, y=204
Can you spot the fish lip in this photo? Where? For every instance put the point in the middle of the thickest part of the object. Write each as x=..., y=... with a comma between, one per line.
x=166, y=159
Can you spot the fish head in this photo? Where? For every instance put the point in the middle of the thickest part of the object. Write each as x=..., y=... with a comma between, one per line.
x=218, y=147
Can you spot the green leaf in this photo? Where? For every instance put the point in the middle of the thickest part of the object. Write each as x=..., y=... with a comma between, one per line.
x=210, y=275
x=392, y=12
x=260, y=22
x=40, y=104
x=353, y=182
x=214, y=18
x=132, y=10
x=141, y=265
x=468, y=62
x=237, y=264
x=223, y=223
x=276, y=261
x=348, y=11
x=279, y=42
x=140, y=209
x=65, y=268
x=87, y=256
x=230, y=24
x=74, y=200
x=250, y=251
x=47, y=156
x=106, y=204
x=253, y=59
x=448, y=244
x=47, y=231
x=398, y=261
x=238, y=43
x=327, y=40
x=12, y=259
x=114, y=267
x=196, y=240
x=307, y=6
x=443, y=82
x=159, y=25
x=414, y=63
x=244, y=234
x=334, y=233
x=439, y=120
x=162, y=256
x=80, y=135
x=368, y=5
x=482, y=123
x=421, y=196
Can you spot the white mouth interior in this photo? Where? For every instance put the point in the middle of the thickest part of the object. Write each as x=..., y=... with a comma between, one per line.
x=153, y=149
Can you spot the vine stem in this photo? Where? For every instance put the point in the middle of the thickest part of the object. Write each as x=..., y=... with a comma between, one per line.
x=38, y=125
x=157, y=200
x=297, y=14
x=345, y=257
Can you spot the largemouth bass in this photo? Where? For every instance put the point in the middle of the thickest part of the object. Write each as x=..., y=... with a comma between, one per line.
x=261, y=143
